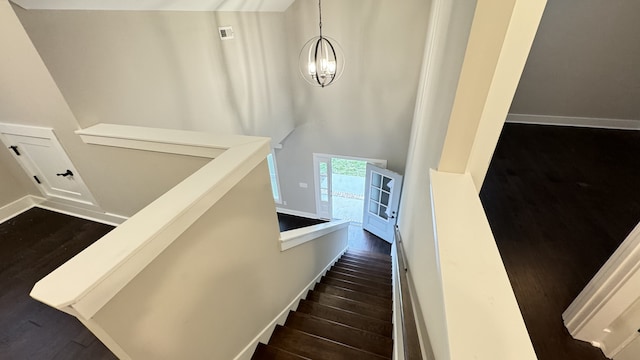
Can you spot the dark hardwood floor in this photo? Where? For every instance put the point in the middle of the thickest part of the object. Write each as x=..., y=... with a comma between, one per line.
x=358, y=239
x=560, y=200
x=32, y=245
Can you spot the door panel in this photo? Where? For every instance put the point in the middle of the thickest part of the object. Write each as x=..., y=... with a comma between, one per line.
x=382, y=196
x=45, y=159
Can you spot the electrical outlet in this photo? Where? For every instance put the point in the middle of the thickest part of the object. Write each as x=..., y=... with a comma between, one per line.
x=303, y=185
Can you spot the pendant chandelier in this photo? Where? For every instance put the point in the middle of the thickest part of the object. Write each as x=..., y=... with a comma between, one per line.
x=321, y=59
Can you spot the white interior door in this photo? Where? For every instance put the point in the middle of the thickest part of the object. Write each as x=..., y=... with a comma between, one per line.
x=46, y=163
x=382, y=198
x=322, y=170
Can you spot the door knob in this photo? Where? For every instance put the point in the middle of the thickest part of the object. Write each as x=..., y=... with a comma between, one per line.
x=68, y=173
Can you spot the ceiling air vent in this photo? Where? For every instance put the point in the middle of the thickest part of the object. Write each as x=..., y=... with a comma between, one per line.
x=226, y=32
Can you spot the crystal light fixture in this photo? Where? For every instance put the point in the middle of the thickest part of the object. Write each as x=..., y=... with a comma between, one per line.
x=321, y=59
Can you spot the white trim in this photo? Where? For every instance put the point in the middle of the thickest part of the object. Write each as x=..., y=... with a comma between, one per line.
x=297, y=213
x=83, y=213
x=181, y=142
x=601, y=123
x=295, y=237
x=613, y=289
x=25, y=130
x=19, y=206
x=378, y=162
x=265, y=334
x=398, y=335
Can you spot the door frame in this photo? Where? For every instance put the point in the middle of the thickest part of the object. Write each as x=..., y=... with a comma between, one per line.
x=327, y=214
x=49, y=134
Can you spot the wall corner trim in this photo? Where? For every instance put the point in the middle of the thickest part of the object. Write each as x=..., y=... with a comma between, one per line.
x=19, y=206
x=587, y=122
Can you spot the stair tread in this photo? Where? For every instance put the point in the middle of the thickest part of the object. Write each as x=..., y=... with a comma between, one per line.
x=385, y=279
x=308, y=345
x=366, y=259
x=376, y=272
x=361, y=265
x=358, y=307
x=369, y=254
x=357, y=287
x=354, y=295
x=345, y=317
x=359, y=280
x=358, y=338
x=365, y=264
x=269, y=352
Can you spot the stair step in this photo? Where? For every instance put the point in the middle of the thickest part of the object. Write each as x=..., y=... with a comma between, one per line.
x=366, y=259
x=358, y=280
x=386, y=280
x=369, y=254
x=348, y=318
x=312, y=346
x=353, y=295
x=381, y=273
x=357, y=287
x=268, y=352
x=362, y=274
x=341, y=333
x=362, y=264
x=354, y=306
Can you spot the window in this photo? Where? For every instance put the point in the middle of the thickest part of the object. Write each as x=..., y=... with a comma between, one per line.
x=273, y=173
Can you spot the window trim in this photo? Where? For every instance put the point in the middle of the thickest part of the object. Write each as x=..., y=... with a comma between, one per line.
x=277, y=178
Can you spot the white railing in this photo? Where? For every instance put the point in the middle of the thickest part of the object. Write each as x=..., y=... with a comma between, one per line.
x=482, y=317
x=85, y=283
x=295, y=237
x=606, y=313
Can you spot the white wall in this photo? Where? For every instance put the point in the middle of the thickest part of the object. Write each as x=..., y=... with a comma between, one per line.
x=474, y=58
x=446, y=44
x=237, y=280
x=168, y=69
x=583, y=62
x=366, y=113
x=121, y=181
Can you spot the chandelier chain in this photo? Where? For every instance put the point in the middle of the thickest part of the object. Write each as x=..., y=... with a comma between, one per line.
x=320, y=14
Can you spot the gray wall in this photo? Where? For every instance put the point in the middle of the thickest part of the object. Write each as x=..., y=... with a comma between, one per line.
x=168, y=69
x=584, y=62
x=366, y=113
x=11, y=188
x=121, y=181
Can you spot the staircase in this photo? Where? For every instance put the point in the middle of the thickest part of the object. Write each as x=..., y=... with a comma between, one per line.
x=346, y=316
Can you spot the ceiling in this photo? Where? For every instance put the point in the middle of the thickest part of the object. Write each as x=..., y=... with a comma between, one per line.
x=170, y=5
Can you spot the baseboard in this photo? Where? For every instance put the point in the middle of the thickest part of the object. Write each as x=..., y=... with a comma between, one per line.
x=18, y=207
x=87, y=214
x=297, y=213
x=265, y=334
x=601, y=123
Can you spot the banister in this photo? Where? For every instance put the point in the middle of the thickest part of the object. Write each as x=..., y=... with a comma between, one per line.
x=412, y=350
x=89, y=280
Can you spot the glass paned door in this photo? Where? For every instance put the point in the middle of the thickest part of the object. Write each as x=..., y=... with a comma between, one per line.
x=383, y=189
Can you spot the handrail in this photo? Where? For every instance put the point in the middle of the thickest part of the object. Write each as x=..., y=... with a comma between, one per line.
x=84, y=284
x=292, y=238
x=412, y=350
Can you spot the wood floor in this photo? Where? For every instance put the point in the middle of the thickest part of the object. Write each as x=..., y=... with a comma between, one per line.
x=38, y=241
x=31, y=246
x=560, y=200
